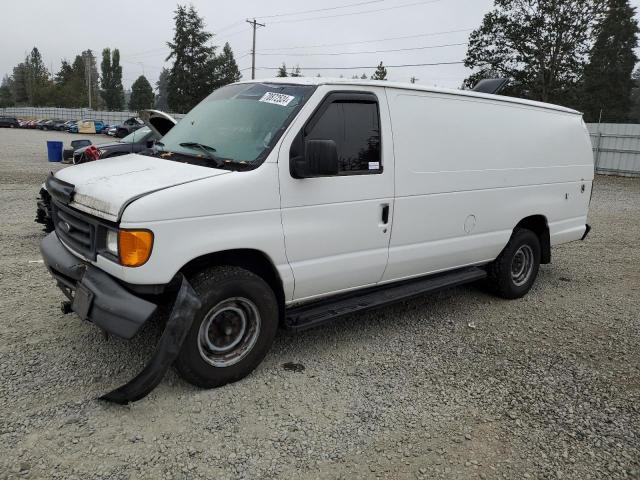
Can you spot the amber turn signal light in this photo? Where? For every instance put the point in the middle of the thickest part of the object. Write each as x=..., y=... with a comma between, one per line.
x=134, y=247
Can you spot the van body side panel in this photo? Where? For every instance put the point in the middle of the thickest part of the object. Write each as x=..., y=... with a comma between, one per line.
x=334, y=237
x=469, y=169
x=203, y=222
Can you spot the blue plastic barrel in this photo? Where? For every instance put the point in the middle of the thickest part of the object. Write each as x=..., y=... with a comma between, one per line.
x=54, y=151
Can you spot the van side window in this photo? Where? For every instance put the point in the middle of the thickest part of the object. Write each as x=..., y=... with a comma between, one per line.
x=355, y=127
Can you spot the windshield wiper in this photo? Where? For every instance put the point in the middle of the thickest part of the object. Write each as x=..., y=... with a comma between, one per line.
x=207, y=151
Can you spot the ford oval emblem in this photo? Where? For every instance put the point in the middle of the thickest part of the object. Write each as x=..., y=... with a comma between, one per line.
x=66, y=227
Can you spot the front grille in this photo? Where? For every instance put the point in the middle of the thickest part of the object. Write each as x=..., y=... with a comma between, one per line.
x=76, y=230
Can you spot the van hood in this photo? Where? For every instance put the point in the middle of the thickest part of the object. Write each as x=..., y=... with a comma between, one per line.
x=106, y=187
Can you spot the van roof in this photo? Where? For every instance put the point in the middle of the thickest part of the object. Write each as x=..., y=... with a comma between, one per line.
x=410, y=86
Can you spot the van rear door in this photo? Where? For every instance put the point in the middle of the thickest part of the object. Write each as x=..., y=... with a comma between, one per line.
x=337, y=227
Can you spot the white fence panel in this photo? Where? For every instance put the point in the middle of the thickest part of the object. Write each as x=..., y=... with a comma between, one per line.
x=616, y=148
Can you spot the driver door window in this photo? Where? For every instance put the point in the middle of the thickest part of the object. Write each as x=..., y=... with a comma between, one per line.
x=355, y=128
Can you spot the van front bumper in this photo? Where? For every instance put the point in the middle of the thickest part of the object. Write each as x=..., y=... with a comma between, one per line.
x=95, y=296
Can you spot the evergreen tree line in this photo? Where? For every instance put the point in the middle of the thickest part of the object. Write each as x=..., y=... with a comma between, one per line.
x=576, y=53
x=197, y=70
x=379, y=74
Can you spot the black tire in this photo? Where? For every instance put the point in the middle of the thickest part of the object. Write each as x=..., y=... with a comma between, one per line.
x=224, y=290
x=505, y=277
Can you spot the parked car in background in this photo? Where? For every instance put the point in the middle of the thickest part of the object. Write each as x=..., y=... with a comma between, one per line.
x=157, y=125
x=40, y=123
x=53, y=124
x=129, y=125
x=98, y=124
x=9, y=122
x=65, y=126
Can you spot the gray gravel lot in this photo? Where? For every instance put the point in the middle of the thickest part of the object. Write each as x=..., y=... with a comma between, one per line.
x=453, y=385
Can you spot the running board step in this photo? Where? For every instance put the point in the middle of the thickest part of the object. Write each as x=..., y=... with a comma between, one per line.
x=316, y=313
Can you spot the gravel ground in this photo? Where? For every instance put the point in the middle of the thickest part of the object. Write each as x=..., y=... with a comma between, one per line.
x=453, y=385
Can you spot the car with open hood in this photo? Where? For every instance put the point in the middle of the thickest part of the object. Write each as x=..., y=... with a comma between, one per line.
x=157, y=125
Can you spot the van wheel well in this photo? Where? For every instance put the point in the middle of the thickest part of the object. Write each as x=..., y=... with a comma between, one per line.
x=538, y=225
x=254, y=261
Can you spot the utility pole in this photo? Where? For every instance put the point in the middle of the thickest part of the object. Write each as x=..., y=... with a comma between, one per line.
x=87, y=73
x=255, y=26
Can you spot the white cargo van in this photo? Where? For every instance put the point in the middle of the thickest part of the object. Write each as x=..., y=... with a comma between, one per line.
x=293, y=201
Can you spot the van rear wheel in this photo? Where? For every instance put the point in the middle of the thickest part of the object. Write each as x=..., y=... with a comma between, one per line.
x=233, y=330
x=512, y=274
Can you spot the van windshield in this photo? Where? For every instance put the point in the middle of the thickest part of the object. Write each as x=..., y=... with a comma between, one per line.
x=238, y=123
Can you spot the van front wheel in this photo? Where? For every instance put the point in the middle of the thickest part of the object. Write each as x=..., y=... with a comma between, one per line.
x=233, y=330
x=512, y=274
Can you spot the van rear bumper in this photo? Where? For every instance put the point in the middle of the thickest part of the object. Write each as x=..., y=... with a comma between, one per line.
x=95, y=296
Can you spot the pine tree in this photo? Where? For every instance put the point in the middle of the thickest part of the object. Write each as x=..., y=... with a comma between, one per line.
x=363, y=76
x=296, y=72
x=282, y=71
x=6, y=95
x=380, y=73
x=228, y=71
x=539, y=45
x=608, y=81
x=141, y=95
x=37, y=82
x=111, y=80
x=193, y=74
x=19, y=86
x=162, y=86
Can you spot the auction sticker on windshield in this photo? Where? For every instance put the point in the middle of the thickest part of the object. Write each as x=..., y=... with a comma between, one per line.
x=277, y=98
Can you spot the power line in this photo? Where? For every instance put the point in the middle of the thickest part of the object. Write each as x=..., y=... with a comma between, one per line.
x=431, y=34
x=349, y=5
x=362, y=53
x=359, y=13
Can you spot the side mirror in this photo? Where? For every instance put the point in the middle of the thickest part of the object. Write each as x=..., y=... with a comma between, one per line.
x=320, y=160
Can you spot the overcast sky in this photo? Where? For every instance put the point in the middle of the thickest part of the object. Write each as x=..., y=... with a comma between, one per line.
x=141, y=28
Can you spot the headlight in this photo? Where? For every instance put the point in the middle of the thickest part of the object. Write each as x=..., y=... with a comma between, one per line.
x=112, y=242
x=134, y=247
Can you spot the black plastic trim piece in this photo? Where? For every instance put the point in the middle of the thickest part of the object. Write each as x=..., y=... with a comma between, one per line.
x=184, y=309
x=316, y=313
x=586, y=232
x=59, y=189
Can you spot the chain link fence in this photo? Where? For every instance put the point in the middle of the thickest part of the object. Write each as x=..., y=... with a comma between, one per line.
x=33, y=113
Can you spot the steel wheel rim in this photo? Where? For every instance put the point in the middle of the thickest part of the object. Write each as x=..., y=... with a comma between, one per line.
x=522, y=265
x=229, y=332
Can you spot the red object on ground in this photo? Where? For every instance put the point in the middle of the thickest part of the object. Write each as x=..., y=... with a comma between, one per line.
x=91, y=153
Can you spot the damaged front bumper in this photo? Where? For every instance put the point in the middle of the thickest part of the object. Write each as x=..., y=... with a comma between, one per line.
x=102, y=300
x=96, y=296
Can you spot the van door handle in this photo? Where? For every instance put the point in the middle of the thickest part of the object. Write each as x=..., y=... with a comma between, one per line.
x=385, y=213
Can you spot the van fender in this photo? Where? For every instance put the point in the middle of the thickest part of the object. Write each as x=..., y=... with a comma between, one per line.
x=180, y=320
